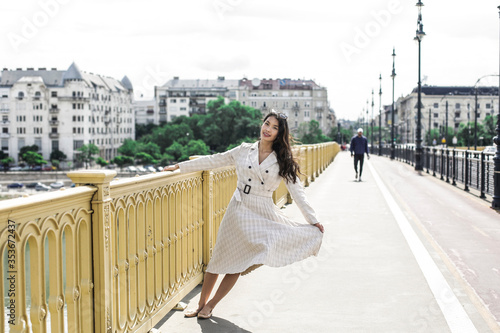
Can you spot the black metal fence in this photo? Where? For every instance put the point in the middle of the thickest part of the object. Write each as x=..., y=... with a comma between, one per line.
x=471, y=168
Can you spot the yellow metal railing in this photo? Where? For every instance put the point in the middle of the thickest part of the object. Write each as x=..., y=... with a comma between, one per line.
x=116, y=256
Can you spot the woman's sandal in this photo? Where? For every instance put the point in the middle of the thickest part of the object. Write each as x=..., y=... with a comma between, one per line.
x=208, y=316
x=191, y=313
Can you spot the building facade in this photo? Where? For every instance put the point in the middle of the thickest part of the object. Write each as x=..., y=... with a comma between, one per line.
x=442, y=106
x=63, y=110
x=145, y=112
x=301, y=100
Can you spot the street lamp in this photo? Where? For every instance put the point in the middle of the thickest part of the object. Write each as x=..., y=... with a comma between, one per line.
x=392, y=111
x=496, y=160
x=380, y=117
x=418, y=37
x=373, y=119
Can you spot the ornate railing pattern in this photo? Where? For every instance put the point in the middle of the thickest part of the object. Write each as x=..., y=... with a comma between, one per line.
x=116, y=256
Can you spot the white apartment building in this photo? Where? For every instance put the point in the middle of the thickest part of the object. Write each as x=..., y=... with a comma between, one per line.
x=301, y=100
x=63, y=110
x=437, y=102
x=145, y=112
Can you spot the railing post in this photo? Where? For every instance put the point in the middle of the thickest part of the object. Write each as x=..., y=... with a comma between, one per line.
x=428, y=160
x=454, y=167
x=442, y=164
x=434, y=162
x=483, y=176
x=466, y=178
x=447, y=165
x=208, y=221
x=101, y=245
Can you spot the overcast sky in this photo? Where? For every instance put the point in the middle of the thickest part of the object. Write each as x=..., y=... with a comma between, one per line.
x=342, y=45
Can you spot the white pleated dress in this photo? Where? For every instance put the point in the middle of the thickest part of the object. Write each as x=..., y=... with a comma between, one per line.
x=254, y=231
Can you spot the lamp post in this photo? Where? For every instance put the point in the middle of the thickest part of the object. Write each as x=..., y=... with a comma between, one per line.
x=446, y=121
x=380, y=117
x=392, y=111
x=495, y=204
x=373, y=119
x=418, y=37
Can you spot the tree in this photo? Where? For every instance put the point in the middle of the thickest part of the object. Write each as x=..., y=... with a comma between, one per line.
x=25, y=149
x=143, y=129
x=310, y=133
x=145, y=158
x=149, y=148
x=56, y=157
x=175, y=150
x=225, y=124
x=5, y=162
x=87, y=153
x=195, y=147
x=32, y=158
x=489, y=129
x=128, y=148
x=101, y=161
x=122, y=160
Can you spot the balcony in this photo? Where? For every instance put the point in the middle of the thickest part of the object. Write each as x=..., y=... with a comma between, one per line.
x=53, y=135
x=54, y=122
x=4, y=110
x=54, y=110
x=5, y=122
x=74, y=98
x=4, y=135
x=295, y=108
x=319, y=109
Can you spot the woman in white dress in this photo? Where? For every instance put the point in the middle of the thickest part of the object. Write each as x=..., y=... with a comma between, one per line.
x=254, y=231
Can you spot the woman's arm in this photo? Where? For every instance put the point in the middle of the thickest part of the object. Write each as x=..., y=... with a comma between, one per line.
x=206, y=162
x=299, y=195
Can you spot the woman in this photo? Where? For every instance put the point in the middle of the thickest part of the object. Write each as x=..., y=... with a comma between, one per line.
x=254, y=231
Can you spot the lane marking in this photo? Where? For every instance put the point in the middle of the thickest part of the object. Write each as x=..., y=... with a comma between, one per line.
x=453, y=312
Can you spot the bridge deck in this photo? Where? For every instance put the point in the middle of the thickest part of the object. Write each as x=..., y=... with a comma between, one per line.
x=403, y=252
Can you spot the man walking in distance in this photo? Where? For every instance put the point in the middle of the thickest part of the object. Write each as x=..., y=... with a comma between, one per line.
x=359, y=146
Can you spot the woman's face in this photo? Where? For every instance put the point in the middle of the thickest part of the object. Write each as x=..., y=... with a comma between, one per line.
x=269, y=129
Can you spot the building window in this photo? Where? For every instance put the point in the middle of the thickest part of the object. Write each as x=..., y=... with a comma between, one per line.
x=457, y=114
x=77, y=144
x=436, y=115
x=53, y=94
x=54, y=130
x=457, y=106
x=20, y=95
x=436, y=105
x=55, y=145
x=436, y=125
x=488, y=105
x=5, y=130
x=5, y=144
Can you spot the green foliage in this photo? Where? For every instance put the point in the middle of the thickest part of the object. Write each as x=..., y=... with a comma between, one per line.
x=149, y=148
x=6, y=161
x=228, y=123
x=32, y=158
x=310, y=133
x=101, y=161
x=58, y=155
x=175, y=150
x=26, y=149
x=87, y=153
x=128, y=148
x=345, y=134
x=489, y=130
x=122, y=160
x=224, y=126
x=143, y=129
x=145, y=158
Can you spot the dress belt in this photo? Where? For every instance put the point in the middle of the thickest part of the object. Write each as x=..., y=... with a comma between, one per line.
x=245, y=189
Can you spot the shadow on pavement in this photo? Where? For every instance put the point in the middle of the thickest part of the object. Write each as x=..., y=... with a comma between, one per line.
x=219, y=325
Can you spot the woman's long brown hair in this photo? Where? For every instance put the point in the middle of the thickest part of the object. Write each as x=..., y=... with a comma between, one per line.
x=289, y=168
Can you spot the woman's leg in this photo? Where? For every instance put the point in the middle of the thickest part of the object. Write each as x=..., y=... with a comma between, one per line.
x=225, y=286
x=206, y=289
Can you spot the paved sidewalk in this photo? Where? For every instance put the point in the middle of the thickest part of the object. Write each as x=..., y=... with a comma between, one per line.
x=370, y=275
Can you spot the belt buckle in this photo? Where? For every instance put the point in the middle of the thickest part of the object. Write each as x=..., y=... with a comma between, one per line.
x=247, y=188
